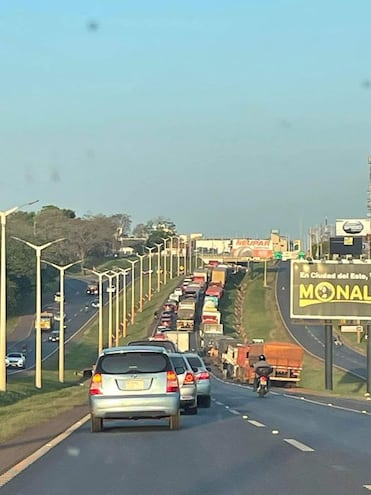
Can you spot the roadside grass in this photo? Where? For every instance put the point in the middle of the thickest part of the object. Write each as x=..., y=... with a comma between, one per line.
x=261, y=319
x=24, y=406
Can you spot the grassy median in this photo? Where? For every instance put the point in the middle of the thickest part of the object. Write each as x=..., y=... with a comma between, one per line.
x=261, y=319
x=24, y=406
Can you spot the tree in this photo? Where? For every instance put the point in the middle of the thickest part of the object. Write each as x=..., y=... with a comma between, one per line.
x=140, y=230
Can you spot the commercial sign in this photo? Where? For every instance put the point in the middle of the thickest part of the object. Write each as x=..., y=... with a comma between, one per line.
x=353, y=227
x=252, y=248
x=330, y=290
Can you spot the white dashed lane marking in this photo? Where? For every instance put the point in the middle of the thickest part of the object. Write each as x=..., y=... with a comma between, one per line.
x=233, y=411
x=256, y=423
x=219, y=403
x=298, y=445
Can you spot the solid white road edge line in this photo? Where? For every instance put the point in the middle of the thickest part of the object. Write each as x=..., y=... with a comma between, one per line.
x=22, y=465
x=298, y=445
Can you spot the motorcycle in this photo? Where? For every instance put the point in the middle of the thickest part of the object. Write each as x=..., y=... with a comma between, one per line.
x=262, y=387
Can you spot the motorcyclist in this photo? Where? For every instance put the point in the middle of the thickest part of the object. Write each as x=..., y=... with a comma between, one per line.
x=262, y=368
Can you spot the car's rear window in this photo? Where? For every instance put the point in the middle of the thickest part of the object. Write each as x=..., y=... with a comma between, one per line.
x=133, y=362
x=178, y=363
x=167, y=345
x=195, y=362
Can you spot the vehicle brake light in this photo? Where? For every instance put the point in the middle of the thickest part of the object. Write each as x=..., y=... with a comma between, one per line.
x=189, y=378
x=263, y=380
x=204, y=375
x=172, y=382
x=96, y=384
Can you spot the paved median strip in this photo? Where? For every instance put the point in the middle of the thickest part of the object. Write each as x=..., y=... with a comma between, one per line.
x=21, y=466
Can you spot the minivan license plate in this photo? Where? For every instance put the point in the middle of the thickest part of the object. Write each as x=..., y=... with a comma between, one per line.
x=134, y=385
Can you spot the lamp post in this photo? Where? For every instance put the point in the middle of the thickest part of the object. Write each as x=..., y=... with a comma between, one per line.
x=62, y=270
x=117, y=334
x=132, y=315
x=100, y=276
x=159, y=246
x=3, y=217
x=165, y=260
x=150, y=272
x=110, y=276
x=124, y=305
x=171, y=258
x=177, y=255
x=190, y=255
x=38, y=355
x=141, y=256
x=184, y=250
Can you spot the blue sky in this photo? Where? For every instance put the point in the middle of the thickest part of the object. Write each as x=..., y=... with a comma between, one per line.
x=230, y=117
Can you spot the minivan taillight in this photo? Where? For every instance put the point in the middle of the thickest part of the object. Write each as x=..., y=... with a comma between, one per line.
x=96, y=384
x=189, y=378
x=172, y=384
x=204, y=375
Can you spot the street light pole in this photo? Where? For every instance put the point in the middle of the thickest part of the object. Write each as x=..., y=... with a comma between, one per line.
x=3, y=218
x=171, y=258
x=124, y=306
x=38, y=352
x=185, y=255
x=100, y=276
x=62, y=270
x=165, y=260
x=150, y=272
x=190, y=255
x=132, y=315
x=117, y=335
x=159, y=246
x=177, y=255
x=141, y=256
x=110, y=276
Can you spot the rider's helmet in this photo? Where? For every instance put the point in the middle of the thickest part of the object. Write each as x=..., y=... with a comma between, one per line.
x=261, y=357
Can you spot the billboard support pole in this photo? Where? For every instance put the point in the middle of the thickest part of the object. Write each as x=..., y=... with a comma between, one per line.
x=328, y=355
x=368, y=358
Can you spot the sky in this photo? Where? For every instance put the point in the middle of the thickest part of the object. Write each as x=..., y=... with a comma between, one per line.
x=229, y=117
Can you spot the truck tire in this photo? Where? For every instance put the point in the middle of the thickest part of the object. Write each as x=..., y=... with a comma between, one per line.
x=96, y=424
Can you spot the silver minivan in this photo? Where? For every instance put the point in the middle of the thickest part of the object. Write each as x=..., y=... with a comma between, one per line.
x=187, y=383
x=134, y=382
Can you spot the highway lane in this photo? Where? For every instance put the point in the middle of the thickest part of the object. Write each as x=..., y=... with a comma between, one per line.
x=75, y=301
x=312, y=337
x=241, y=445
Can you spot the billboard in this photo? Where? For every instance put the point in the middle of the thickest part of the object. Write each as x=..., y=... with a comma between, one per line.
x=330, y=290
x=252, y=248
x=353, y=227
x=344, y=246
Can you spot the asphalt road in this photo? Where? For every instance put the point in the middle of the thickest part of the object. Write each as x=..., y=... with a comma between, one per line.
x=76, y=317
x=241, y=445
x=312, y=337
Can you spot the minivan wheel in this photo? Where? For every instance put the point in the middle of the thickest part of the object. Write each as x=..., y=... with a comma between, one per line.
x=205, y=401
x=96, y=424
x=174, y=421
x=191, y=411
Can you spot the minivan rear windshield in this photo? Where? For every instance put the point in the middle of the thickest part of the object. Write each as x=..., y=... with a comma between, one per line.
x=195, y=362
x=134, y=362
x=166, y=344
